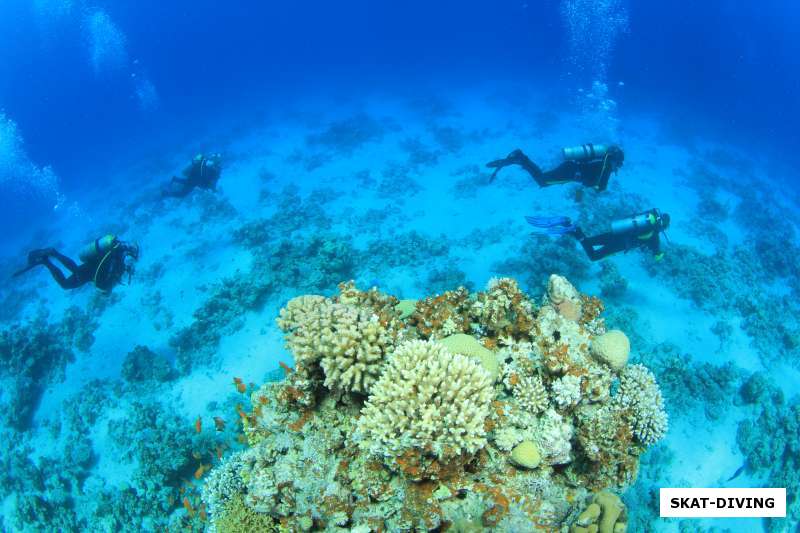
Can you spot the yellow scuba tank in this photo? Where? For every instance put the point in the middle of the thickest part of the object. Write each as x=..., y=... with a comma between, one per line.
x=97, y=248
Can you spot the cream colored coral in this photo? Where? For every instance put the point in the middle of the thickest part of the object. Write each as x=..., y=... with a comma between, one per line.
x=508, y=437
x=567, y=391
x=528, y=391
x=553, y=437
x=348, y=343
x=499, y=306
x=612, y=348
x=297, y=309
x=640, y=394
x=427, y=399
x=559, y=289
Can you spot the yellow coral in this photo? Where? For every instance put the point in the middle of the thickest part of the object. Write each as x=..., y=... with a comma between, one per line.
x=464, y=344
x=405, y=308
x=612, y=348
x=237, y=517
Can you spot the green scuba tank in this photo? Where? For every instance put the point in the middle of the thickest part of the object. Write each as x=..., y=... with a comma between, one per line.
x=642, y=222
x=584, y=152
x=95, y=249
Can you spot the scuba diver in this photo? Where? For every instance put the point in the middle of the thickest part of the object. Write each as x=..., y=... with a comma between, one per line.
x=641, y=230
x=104, y=261
x=203, y=172
x=588, y=164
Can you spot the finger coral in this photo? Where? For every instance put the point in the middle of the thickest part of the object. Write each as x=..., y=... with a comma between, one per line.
x=640, y=395
x=427, y=399
x=348, y=342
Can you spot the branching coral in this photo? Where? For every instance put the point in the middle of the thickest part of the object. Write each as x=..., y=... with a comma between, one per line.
x=427, y=399
x=503, y=309
x=347, y=337
x=567, y=391
x=349, y=343
x=640, y=395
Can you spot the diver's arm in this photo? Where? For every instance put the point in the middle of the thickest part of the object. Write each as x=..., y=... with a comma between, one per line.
x=654, y=244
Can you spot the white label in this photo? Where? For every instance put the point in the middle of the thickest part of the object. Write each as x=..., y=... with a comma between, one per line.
x=722, y=503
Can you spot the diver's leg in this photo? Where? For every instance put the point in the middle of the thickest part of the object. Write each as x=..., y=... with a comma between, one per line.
x=596, y=247
x=563, y=173
x=66, y=261
x=177, y=187
x=517, y=157
x=65, y=283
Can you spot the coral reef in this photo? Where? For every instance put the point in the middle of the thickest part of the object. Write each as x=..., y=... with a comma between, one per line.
x=429, y=439
x=770, y=441
x=142, y=365
x=33, y=356
x=347, y=135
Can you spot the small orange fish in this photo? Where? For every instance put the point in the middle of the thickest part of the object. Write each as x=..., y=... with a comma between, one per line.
x=203, y=515
x=286, y=368
x=188, y=506
x=198, y=425
x=200, y=470
x=236, y=381
x=219, y=423
x=241, y=387
x=241, y=412
x=263, y=400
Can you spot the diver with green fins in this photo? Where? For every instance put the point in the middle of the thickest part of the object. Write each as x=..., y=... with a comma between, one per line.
x=588, y=164
x=642, y=230
x=104, y=262
x=203, y=172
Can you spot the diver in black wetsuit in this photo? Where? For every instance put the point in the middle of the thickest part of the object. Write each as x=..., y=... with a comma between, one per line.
x=588, y=164
x=104, y=261
x=641, y=230
x=203, y=172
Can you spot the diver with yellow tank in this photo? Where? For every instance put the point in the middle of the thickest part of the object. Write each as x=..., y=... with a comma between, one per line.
x=588, y=164
x=104, y=262
x=642, y=230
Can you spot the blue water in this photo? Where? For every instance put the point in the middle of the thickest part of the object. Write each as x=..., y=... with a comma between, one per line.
x=356, y=134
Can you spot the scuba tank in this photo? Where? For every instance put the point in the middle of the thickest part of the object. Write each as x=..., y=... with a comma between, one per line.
x=97, y=248
x=642, y=222
x=584, y=152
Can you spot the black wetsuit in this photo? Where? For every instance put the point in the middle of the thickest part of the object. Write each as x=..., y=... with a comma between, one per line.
x=203, y=172
x=601, y=246
x=105, y=270
x=590, y=173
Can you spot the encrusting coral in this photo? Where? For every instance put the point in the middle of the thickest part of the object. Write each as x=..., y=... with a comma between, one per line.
x=391, y=420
